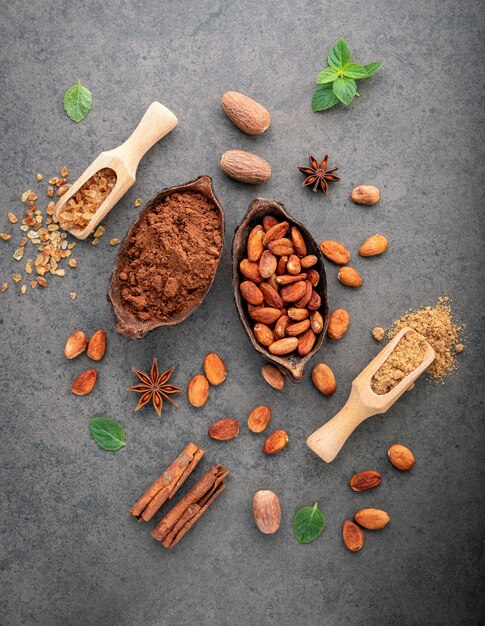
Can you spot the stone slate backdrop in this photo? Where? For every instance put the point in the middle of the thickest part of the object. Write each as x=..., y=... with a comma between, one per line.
x=70, y=553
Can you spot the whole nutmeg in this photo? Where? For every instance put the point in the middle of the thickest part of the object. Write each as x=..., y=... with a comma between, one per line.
x=266, y=511
x=401, y=457
x=246, y=167
x=365, y=194
x=247, y=114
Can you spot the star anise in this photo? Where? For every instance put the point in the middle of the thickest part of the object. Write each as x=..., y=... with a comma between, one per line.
x=154, y=387
x=319, y=174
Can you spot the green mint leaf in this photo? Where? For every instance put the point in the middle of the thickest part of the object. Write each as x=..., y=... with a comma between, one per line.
x=339, y=54
x=308, y=523
x=352, y=70
x=372, y=68
x=344, y=88
x=107, y=433
x=328, y=75
x=323, y=98
x=77, y=102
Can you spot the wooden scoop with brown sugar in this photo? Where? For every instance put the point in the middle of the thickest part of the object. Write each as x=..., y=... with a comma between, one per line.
x=363, y=402
x=111, y=174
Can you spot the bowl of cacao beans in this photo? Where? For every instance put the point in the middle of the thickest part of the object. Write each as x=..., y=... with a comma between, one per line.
x=280, y=286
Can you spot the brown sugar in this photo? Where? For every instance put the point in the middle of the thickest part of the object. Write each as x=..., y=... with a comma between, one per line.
x=378, y=333
x=171, y=257
x=82, y=206
x=436, y=325
x=404, y=359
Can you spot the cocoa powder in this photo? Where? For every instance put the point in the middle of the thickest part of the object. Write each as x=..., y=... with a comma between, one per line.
x=171, y=258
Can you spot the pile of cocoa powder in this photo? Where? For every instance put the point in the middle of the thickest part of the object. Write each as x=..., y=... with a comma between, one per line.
x=171, y=258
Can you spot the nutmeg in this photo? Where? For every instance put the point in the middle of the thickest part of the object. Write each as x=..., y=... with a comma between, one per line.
x=245, y=166
x=247, y=114
x=266, y=511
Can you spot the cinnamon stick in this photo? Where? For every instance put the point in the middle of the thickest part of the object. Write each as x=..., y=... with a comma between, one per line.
x=167, y=485
x=186, y=512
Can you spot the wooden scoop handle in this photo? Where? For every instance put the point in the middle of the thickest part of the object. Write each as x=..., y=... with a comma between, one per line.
x=157, y=122
x=329, y=439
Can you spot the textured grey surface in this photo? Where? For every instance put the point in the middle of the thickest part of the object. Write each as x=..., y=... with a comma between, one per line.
x=70, y=554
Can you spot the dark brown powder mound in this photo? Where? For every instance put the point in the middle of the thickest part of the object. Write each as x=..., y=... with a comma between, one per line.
x=172, y=257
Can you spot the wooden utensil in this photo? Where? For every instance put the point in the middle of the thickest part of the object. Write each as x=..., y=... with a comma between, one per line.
x=258, y=209
x=157, y=122
x=363, y=402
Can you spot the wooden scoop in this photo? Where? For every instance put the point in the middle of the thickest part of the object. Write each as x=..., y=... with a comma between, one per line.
x=363, y=402
x=157, y=122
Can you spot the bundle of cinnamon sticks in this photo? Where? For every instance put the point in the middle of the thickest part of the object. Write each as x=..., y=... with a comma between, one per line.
x=184, y=514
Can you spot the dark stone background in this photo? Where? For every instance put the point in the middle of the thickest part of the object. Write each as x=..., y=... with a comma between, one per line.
x=70, y=553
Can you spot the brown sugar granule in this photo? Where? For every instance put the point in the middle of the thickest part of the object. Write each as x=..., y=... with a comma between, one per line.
x=436, y=325
x=378, y=333
x=404, y=359
x=40, y=237
x=81, y=207
x=171, y=257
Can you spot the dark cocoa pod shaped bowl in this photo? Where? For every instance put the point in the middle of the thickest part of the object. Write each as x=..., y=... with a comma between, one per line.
x=292, y=364
x=128, y=324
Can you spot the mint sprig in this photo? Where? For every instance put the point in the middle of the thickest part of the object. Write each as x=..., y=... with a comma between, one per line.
x=336, y=83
